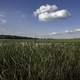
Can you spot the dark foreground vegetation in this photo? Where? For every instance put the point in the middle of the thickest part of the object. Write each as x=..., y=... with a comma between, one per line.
x=14, y=37
x=39, y=59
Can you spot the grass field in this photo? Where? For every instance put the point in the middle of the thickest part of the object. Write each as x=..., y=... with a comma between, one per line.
x=39, y=59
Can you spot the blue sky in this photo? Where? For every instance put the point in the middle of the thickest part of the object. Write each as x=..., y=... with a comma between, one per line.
x=16, y=17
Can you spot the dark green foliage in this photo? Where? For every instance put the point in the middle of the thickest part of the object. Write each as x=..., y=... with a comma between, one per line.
x=39, y=60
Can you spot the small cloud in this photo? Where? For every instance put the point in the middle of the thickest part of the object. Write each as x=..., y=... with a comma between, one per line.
x=72, y=31
x=2, y=15
x=77, y=30
x=3, y=27
x=53, y=33
x=3, y=21
x=48, y=12
x=66, y=31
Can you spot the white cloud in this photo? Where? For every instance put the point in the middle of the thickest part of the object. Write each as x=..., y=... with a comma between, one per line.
x=65, y=32
x=45, y=8
x=77, y=30
x=69, y=31
x=48, y=12
x=53, y=33
x=72, y=31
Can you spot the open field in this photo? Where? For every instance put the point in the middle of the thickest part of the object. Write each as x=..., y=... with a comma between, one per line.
x=39, y=59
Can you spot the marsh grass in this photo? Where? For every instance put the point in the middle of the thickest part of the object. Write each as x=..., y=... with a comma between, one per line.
x=39, y=60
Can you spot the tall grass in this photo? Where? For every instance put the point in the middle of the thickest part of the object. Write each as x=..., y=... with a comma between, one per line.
x=39, y=60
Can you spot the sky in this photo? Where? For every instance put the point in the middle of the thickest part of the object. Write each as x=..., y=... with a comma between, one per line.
x=17, y=17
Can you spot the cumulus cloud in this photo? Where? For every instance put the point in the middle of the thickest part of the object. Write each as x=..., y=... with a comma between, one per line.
x=45, y=8
x=48, y=12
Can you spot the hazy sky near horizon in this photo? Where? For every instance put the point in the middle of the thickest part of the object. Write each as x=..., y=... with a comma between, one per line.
x=16, y=16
